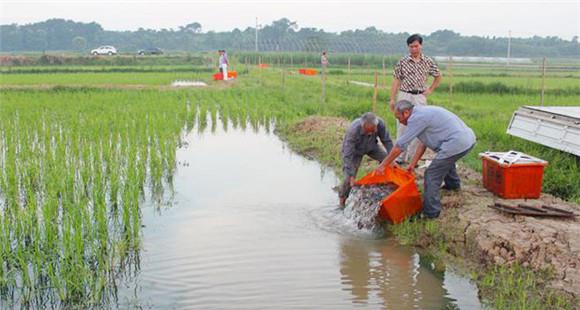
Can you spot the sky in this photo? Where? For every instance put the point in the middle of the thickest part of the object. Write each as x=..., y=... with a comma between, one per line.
x=468, y=17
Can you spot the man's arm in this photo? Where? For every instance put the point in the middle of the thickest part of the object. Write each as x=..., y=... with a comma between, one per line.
x=397, y=76
x=436, y=73
x=418, y=154
x=394, y=90
x=393, y=154
x=413, y=130
x=386, y=140
x=433, y=86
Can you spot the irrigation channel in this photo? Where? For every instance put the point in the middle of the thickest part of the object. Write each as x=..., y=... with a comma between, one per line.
x=253, y=225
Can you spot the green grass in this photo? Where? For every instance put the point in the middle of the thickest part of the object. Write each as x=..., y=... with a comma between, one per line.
x=96, y=79
x=517, y=287
x=103, y=69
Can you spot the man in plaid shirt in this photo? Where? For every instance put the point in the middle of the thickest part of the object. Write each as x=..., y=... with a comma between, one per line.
x=410, y=77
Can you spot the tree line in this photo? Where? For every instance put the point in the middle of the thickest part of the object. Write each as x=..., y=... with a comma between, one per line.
x=280, y=35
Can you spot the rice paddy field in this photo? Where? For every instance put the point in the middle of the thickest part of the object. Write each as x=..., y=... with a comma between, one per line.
x=82, y=148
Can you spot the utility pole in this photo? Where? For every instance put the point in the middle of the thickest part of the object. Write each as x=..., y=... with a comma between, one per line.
x=509, y=50
x=256, y=34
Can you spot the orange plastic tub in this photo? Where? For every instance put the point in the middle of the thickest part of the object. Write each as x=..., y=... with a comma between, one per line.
x=219, y=76
x=263, y=66
x=308, y=71
x=405, y=201
x=513, y=175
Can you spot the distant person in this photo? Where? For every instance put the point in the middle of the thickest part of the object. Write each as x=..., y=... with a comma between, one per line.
x=360, y=140
x=410, y=77
x=223, y=62
x=324, y=60
x=442, y=132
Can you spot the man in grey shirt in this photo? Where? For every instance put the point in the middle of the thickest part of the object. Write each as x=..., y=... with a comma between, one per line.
x=442, y=132
x=360, y=140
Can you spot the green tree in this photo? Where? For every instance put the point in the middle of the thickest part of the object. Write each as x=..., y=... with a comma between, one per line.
x=80, y=43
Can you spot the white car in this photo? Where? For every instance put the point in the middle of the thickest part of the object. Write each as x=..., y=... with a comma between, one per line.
x=104, y=50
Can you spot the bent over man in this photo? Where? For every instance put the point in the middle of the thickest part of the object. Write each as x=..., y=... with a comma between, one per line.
x=360, y=140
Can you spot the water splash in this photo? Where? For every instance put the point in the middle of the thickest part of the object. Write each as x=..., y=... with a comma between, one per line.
x=363, y=205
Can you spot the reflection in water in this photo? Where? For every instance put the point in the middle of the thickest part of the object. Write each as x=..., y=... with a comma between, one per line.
x=382, y=273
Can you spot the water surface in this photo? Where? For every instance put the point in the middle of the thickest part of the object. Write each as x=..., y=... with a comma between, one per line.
x=253, y=225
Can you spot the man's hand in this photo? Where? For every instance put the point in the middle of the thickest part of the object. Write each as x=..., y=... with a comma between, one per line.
x=380, y=170
x=392, y=105
x=427, y=92
x=352, y=181
x=411, y=169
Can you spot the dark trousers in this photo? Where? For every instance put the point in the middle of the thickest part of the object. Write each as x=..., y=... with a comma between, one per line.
x=377, y=154
x=440, y=170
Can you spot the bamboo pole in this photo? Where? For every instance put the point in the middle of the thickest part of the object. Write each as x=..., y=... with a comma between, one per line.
x=260, y=69
x=376, y=92
x=348, y=73
x=323, y=96
x=384, y=73
x=450, y=73
x=543, y=81
x=349, y=65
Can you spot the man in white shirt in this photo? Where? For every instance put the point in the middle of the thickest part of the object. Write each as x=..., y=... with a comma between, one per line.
x=223, y=62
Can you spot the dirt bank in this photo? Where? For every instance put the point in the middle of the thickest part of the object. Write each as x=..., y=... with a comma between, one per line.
x=483, y=236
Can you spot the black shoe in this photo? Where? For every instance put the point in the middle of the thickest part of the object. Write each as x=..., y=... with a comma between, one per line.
x=449, y=188
x=430, y=217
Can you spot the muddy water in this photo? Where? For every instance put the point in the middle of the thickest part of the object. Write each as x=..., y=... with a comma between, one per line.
x=252, y=225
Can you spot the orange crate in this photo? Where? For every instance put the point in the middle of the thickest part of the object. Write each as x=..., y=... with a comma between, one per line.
x=404, y=201
x=263, y=66
x=219, y=76
x=308, y=71
x=513, y=179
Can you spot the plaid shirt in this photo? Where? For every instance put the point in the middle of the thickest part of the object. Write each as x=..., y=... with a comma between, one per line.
x=413, y=74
